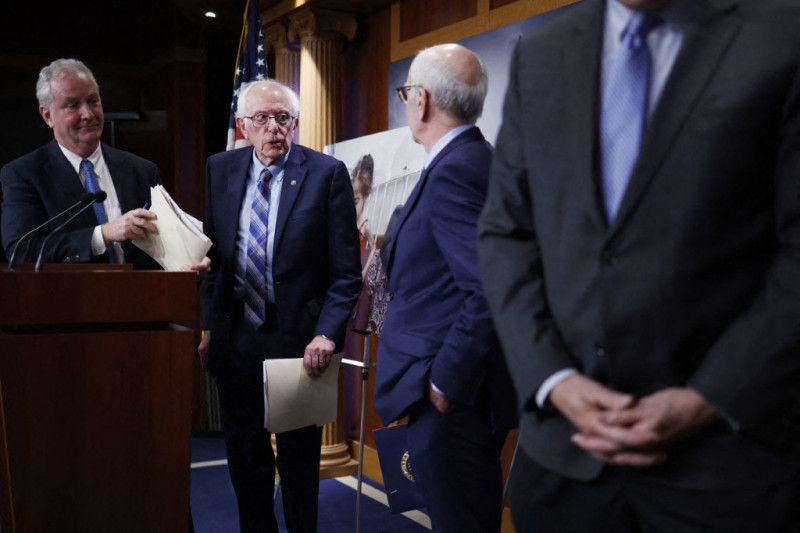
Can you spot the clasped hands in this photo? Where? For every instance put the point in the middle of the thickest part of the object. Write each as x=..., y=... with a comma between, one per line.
x=620, y=429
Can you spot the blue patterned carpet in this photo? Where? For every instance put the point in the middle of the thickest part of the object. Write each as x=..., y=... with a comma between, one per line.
x=214, y=503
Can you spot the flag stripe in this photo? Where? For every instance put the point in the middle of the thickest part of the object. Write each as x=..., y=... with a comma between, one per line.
x=251, y=65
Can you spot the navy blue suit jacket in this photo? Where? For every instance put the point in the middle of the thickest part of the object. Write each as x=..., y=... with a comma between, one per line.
x=438, y=324
x=42, y=183
x=316, y=257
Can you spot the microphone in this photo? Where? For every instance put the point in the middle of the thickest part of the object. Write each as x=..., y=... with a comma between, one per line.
x=87, y=199
x=98, y=197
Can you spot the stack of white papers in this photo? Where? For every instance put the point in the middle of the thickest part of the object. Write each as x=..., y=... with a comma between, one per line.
x=180, y=239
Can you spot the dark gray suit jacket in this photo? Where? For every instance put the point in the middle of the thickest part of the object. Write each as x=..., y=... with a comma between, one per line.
x=42, y=183
x=697, y=281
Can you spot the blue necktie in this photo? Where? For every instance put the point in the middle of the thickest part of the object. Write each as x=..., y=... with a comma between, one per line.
x=255, y=275
x=90, y=181
x=624, y=112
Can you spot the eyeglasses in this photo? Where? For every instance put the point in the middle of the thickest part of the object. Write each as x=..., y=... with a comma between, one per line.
x=262, y=119
x=402, y=92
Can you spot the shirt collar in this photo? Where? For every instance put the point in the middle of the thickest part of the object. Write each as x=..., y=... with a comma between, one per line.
x=676, y=13
x=444, y=141
x=276, y=168
x=75, y=160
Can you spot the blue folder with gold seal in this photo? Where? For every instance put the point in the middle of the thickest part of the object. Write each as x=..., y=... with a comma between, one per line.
x=397, y=467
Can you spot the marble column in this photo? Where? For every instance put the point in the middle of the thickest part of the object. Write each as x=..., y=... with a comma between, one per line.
x=287, y=56
x=287, y=61
x=322, y=34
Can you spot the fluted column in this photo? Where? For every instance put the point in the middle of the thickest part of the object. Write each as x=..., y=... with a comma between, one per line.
x=287, y=56
x=321, y=34
x=287, y=61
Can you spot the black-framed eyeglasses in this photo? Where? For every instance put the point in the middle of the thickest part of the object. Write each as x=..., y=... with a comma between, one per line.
x=262, y=119
x=402, y=92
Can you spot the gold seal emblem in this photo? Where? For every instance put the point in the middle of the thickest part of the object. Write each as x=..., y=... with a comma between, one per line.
x=405, y=466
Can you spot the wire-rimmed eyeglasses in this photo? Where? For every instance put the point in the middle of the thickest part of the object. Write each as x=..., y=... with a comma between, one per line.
x=402, y=92
x=262, y=119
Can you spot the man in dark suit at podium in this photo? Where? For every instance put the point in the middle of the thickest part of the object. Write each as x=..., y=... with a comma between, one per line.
x=439, y=361
x=47, y=181
x=640, y=249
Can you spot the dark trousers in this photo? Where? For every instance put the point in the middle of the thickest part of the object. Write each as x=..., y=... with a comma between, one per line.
x=624, y=500
x=251, y=461
x=455, y=458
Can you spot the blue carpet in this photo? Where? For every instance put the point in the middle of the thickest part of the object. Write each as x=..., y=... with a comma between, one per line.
x=214, y=503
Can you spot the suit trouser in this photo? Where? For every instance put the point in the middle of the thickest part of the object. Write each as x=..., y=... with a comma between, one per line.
x=251, y=462
x=625, y=500
x=455, y=458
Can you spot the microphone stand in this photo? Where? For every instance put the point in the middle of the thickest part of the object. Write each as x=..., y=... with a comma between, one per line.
x=365, y=365
x=86, y=197
x=99, y=196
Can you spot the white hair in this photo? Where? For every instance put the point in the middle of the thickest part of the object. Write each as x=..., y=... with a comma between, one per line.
x=244, y=95
x=60, y=68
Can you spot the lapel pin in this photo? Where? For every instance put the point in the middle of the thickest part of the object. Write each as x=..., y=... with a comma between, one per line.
x=293, y=183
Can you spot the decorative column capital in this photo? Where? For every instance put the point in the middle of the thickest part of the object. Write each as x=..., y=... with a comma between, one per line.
x=275, y=36
x=313, y=22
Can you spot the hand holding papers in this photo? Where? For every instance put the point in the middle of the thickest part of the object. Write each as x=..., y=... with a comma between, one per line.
x=293, y=400
x=180, y=239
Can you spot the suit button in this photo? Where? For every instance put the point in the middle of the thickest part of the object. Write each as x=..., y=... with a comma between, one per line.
x=610, y=258
x=600, y=350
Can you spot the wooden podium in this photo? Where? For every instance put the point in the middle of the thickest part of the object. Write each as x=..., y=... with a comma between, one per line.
x=95, y=399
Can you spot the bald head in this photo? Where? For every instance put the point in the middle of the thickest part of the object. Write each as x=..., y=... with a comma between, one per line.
x=463, y=64
x=455, y=78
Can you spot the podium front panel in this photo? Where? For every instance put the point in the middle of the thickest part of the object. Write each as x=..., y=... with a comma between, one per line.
x=98, y=429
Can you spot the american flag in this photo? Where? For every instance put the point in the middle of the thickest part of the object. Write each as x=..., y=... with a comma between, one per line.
x=251, y=65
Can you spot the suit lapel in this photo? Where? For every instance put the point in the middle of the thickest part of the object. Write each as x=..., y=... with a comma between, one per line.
x=709, y=33
x=472, y=134
x=231, y=199
x=294, y=175
x=409, y=205
x=68, y=183
x=582, y=65
x=122, y=178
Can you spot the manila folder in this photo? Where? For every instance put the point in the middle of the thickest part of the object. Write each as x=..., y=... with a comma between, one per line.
x=293, y=400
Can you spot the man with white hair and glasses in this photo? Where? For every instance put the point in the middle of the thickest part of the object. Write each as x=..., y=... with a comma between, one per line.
x=285, y=274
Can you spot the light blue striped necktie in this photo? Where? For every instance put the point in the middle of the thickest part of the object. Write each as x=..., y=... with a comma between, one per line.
x=624, y=113
x=91, y=185
x=255, y=276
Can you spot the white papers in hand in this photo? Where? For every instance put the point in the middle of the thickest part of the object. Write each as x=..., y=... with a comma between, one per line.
x=180, y=239
x=294, y=400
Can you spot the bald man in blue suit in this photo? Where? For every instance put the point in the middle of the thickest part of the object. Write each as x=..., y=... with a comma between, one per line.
x=439, y=361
